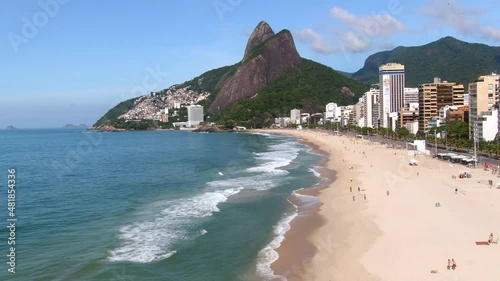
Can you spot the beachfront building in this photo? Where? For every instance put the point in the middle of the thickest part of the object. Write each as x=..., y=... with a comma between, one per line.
x=332, y=112
x=345, y=112
x=355, y=114
x=195, y=115
x=412, y=127
x=407, y=115
x=466, y=99
x=304, y=118
x=295, y=116
x=393, y=120
x=433, y=96
x=392, y=83
x=483, y=95
x=282, y=122
x=370, y=104
x=410, y=96
x=457, y=113
x=487, y=125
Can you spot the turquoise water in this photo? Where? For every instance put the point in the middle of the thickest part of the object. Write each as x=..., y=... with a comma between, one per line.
x=158, y=205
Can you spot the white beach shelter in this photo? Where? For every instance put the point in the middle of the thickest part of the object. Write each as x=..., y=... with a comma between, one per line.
x=413, y=162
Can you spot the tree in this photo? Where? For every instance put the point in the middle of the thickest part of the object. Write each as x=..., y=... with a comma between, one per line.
x=458, y=129
x=403, y=133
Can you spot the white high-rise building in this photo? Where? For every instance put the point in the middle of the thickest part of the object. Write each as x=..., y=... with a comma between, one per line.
x=392, y=84
x=295, y=116
x=483, y=95
x=195, y=115
x=370, y=101
x=332, y=112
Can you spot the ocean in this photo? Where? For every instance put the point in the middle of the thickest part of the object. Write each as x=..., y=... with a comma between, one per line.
x=148, y=205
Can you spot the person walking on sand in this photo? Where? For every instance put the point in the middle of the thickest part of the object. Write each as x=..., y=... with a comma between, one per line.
x=350, y=188
x=490, y=240
x=453, y=264
x=359, y=189
x=354, y=198
x=449, y=264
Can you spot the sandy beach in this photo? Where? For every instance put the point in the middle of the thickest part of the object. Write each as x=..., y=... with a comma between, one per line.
x=403, y=223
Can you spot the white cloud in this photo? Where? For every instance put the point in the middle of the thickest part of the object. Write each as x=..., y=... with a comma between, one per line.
x=356, y=34
x=318, y=44
x=465, y=21
x=355, y=43
x=370, y=26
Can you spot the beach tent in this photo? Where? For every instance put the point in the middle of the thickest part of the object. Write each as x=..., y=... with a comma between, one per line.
x=413, y=162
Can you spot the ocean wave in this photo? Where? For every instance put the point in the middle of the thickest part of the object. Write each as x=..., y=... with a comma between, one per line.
x=316, y=173
x=278, y=156
x=306, y=201
x=256, y=182
x=155, y=239
x=268, y=255
x=260, y=134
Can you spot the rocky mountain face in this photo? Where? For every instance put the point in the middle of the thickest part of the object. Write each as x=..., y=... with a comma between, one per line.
x=267, y=57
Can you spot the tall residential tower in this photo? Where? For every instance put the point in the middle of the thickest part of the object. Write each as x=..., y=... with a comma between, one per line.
x=392, y=85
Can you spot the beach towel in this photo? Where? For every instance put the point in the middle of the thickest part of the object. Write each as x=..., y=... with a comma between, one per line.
x=482, y=243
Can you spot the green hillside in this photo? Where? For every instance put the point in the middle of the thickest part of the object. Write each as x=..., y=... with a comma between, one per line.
x=110, y=118
x=209, y=81
x=309, y=88
x=448, y=58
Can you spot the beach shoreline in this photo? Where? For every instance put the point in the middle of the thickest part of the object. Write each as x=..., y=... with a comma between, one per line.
x=398, y=222
x=294, y=251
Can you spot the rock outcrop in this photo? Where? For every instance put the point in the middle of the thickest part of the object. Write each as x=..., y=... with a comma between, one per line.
x=267, y=57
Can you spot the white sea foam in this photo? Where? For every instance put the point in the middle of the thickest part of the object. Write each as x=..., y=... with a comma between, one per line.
x=268, y=255
x=278, y=156
x=256, y=182
x=316, y=173
x=261, y=134
x=152, y=240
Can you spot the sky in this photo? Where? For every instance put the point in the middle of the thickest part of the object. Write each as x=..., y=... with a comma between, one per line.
x=70, y=61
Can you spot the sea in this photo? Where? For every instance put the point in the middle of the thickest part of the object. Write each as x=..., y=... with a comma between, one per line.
x=147, y=205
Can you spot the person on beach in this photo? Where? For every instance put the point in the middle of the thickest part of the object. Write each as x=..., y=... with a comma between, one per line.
x=359, y=189
x=456, y=190
x=350, y=188
x=364, y=195
x=354, y=198
x=351, y=179
x=387, y=192
x=490, y=240
x=449, y=264
x=453, y=264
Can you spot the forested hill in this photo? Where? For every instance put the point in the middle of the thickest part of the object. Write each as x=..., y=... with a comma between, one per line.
x=448, y=58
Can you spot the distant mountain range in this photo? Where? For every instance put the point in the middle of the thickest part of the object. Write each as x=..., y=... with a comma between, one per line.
x=73, y=126
x=448, y=58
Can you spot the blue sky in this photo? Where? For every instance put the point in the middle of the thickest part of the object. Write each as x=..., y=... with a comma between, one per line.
x=69, y=61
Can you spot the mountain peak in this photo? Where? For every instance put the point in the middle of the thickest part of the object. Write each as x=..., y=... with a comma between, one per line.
x=267, y=57
x=261, y=33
